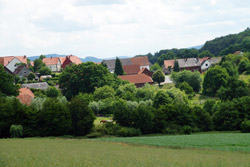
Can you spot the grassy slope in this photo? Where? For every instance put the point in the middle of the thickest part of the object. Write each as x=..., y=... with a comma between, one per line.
x=51, y=152
x=217, y=141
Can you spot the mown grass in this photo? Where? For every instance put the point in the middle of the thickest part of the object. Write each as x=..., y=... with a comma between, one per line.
x=200, y=99
x=53, y=152
x=217, y=141
x=98, y=119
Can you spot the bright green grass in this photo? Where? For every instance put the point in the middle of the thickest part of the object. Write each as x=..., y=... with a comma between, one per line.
x=56, y=152
x=217, y=141
x=200, y=99
x=245, y=78
x=98, y=119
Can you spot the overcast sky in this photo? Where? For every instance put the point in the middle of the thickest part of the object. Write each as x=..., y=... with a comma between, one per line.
x=109, y=28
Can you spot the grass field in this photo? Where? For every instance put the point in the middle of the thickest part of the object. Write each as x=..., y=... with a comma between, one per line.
x=53, y=152
x=217, y=141
x=98, y=119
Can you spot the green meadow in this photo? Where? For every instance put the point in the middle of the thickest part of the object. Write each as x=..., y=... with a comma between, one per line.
x=116, y=152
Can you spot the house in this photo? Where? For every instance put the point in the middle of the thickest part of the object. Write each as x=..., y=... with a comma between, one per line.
x=10, y=62
x=191, y=64
x=142, y=61
x=25, y=96
x=39, y=85
x=131, y=69
x=71, y=60
x=207, y=63
x=168, y=66
x=146, y=72
x=53, y=63
x=138, y=79
x=22, y=71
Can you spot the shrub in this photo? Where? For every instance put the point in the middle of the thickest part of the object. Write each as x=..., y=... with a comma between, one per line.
x=187, y=130
x=16, y=131
x=129, y=132
x=245, y=126
x=52, y=92
x=31, y=76
x=112, y=129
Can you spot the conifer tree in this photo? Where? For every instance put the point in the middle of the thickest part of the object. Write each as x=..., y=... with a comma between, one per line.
x=118, y=67
x=176, y=66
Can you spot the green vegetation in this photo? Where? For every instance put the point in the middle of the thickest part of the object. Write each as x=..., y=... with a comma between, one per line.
x=118, y=67
x=158, y=77
x=74, y=152
x=217, y=141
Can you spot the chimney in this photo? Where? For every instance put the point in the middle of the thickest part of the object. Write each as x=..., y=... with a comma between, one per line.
x=24, y=56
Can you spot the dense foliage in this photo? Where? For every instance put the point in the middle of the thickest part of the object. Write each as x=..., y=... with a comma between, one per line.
x=158, y=77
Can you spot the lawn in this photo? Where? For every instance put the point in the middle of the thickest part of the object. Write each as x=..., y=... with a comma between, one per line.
x=216, y=141
x=98, y=119
x=53, y=152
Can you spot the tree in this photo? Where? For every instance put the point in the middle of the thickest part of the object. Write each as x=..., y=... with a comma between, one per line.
x=158, y=77
x=176, y=66
x=104, y=92
x=82, y=116
x=82, y=78
x=45, y=71
x=31, y=76
x=231, y=70
x=38, y=64
x=243, y=66
x=42, y=57
x=205, y=53
x=127, y=91
x=118, y=67
x=214, y=79
x=233, y=88
x=192, y=78
x=53, y=92
x=170, y=55
x=155, y=67
x=184, y=86
x=7, y=86
x=54, y=118
x=161, y=98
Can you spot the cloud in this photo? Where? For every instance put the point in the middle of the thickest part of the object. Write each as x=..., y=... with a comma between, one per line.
x=108, y=28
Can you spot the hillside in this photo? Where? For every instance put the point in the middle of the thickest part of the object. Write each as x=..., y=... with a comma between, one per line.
x=227, y=44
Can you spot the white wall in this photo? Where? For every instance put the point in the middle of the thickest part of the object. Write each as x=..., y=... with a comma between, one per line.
x=11, y=66
x=205, y=65
x=141, y=67
x=53, y=67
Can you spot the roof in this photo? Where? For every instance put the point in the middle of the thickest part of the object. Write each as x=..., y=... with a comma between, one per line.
x=136, y=78
x=143, y=61
x=62, y=59
x=189, y=62
x=5, y=60
x=39, y=85
x=215, y=60
x=168, y=63
x=131, y=69
x=25, y=96
x=146, y=71
x=51, y=60
x=74, y=59
x=203, y=59
x=32, y=63
x=20, y=68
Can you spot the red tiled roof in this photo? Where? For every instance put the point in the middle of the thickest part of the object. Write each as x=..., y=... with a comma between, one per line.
x=203, y=59
x=74, y=59
x=62, y=59
x=143, y=61
x=131, y=69
x=51, y=60
x=23, y=59
x=146, y=71
x=5, y=60
x=32, y=63
x=169, y=63
x=25, y=96
x=137, y=78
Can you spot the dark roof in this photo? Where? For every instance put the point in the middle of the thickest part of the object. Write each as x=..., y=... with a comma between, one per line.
x=39, y=85
x=189, y=62
x=215, y=60
x=146, y=71
x=143, y=61
x=19, y=69
x=131, y=69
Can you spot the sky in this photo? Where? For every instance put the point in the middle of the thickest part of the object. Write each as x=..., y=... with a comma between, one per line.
x=110, y=28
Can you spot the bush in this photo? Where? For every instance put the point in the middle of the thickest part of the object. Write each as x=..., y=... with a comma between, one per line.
x=53, y=92
x=16, y=131
x=129, y=132
x=187, y=130
x=245, y=126
x=94, y=135
x=31, y=76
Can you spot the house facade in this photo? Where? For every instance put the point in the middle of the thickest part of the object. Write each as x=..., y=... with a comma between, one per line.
x=22, y=71
x=9, y=62
x=53, y=63
x=71, y=60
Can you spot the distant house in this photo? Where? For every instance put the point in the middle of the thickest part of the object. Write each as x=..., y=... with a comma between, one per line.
x=71, y=60
x=206, y=64
x=10, y=62
x=168, y=66
x=22, y=71
x=39, y=85
x=131, y=69
x=146, y=72
x=25, y=96
x=191, y=64
x=138, y=79
x=142, y=61
x=53, y=63
x=238, y=53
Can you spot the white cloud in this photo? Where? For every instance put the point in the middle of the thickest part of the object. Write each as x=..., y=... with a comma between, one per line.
x=108, y=28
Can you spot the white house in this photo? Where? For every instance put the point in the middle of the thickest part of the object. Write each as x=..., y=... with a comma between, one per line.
x=53, y=63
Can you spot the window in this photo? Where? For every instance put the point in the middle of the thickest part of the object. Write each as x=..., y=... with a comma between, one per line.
x=206, y=64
